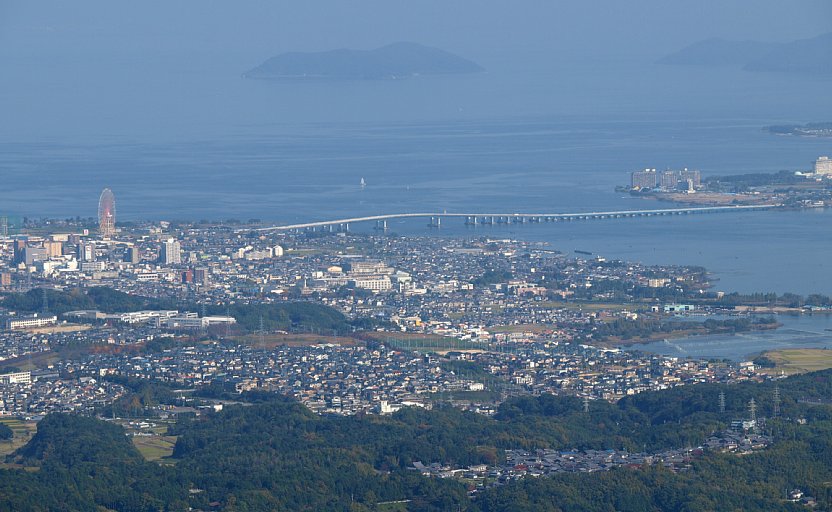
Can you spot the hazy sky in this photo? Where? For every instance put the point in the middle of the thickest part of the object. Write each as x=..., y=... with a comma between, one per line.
x=477, y=28
x=166, y=69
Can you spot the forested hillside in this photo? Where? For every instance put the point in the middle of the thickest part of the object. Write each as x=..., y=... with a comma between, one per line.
x=276, y=455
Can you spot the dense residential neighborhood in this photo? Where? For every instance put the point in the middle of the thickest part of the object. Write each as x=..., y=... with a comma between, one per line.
x=467, y=320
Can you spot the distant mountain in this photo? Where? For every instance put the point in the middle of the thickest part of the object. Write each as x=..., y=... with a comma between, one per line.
x=719, y=52
x=397, y=60
x=805, y=56
x=812, y=56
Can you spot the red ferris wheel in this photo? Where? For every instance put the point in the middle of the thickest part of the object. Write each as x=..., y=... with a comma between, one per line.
x=107, y=213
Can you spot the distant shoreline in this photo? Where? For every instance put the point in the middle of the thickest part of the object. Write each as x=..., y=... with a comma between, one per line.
x=808, y=130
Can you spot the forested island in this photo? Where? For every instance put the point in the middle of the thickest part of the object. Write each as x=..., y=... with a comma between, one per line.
x=394, y=61
x=809, y=56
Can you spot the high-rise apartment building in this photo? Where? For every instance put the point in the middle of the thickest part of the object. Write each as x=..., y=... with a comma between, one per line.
x=33, y=254
x=643, y=179
x=132, y=255
x=670, y=180
x=54, y=249
x=171, y=253
x=86, y=251
x=201, y=276
x=694, y=176
x=19, y=245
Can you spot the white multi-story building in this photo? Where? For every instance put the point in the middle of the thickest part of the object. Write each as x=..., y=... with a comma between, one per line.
x=93, y=266
x=171, y=253
x=86, y=252
x=16, y=378
x=823, y=165
x=369, y=267
x=374, y=283
x=193, y=321
x=32, y=322
x=138, y=317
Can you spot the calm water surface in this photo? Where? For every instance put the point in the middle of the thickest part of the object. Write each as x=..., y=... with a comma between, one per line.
x=194, y=141
x=804, y=331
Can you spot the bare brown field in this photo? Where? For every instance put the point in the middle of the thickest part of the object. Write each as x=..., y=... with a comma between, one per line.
x=294, y=340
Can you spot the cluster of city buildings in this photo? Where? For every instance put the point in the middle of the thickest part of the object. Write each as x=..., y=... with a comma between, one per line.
x=331, y=378
x=667, y=181
x=690, y=181
x=26, y=395
x=519, y=464
x=537, y=367
x=480, y=292
x=327, y=378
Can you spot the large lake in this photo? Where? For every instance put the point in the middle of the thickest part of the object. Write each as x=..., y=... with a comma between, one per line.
x=193, y=140
x=803, y=331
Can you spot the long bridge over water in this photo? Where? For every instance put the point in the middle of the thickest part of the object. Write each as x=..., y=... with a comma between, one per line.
x=435, y=219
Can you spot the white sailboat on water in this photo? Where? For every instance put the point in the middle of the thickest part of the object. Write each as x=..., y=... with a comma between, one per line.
x=363, y=183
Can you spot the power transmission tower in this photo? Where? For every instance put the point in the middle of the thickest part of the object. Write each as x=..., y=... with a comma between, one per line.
x=227, y=323
x=776, y=400
x=262, y=333
x=203, y=325
x=45, y=304
x=722, y=402
x=586, y=404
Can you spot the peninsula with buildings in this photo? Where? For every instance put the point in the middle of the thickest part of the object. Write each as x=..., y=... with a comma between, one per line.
x=795, y=189
x=804, y=130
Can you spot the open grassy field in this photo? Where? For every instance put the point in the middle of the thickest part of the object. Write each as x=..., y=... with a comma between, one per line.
x=392, y=506
x=154, y=447
x=46, y=358
x=31, y=362
x=534, y=328
x=425, y=342
x=591, y=306
x=60, y=328
x=800, y=360
x=23, y=431
x=467, y=396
